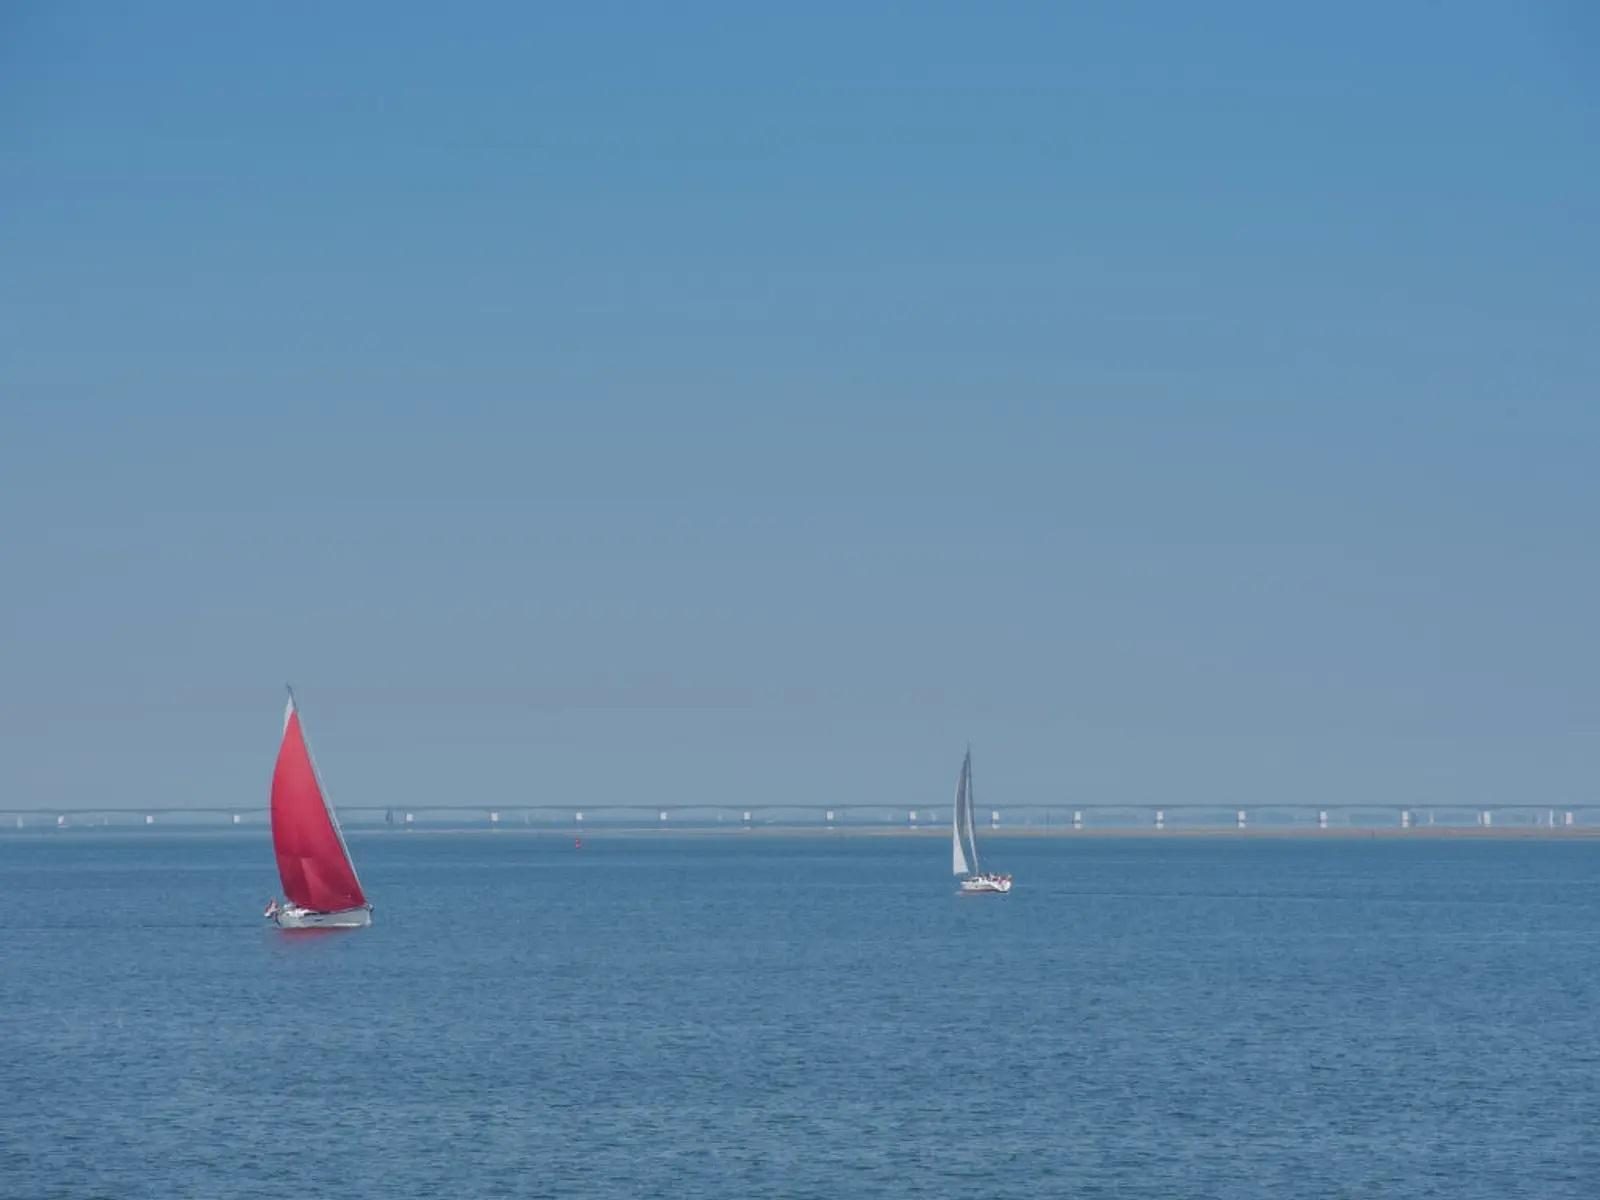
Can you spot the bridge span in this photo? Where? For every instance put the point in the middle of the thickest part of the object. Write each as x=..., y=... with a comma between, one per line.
x=1035, y=818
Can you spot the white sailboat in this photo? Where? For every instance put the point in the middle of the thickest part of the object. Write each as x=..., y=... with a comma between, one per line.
x=964, y=842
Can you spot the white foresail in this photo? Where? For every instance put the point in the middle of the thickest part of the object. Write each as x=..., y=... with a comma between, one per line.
x=960, y=858
x=969, y=819
x=964, y=851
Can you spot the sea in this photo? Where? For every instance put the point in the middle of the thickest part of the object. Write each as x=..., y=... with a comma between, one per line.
x=743, y=1015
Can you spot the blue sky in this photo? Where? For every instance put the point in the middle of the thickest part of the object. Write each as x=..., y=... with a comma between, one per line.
x=723, y=404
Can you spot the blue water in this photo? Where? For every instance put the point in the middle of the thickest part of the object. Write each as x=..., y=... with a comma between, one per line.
x=747, y=1017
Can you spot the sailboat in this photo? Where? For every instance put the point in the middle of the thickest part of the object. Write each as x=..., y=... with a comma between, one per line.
x=313, y=861
x=964, y=839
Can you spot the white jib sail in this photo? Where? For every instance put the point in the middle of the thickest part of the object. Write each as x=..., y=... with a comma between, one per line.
x=962, y=817
x=969, y=820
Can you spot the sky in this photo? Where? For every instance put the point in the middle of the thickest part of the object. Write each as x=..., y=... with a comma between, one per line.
x=732, y=404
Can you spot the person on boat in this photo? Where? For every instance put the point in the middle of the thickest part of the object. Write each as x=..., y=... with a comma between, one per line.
x=272, y=908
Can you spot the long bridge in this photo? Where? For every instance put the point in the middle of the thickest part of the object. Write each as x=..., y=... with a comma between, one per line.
x=1064, y=817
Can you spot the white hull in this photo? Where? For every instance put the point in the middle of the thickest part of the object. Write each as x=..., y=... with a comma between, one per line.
x=291, y=917
x=991, y=884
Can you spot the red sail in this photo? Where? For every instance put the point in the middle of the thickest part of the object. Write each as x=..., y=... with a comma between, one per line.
x=312, y=862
